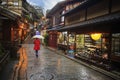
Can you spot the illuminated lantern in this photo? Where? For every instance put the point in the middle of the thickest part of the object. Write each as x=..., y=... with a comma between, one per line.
x=96, y=36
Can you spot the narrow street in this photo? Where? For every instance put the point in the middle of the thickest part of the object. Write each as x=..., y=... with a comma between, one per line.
x=51, y=66
x=80, y=40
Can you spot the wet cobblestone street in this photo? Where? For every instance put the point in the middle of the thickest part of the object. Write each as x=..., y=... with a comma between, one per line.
x=59, y=40
x=51, y=66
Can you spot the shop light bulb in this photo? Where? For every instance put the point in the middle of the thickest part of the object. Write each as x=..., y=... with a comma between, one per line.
x=96, y=36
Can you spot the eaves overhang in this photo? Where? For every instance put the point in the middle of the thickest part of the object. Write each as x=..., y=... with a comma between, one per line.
x=84, y=4
x=55, y=28
x=106, y=19
x=9, y=14
x=58, y=6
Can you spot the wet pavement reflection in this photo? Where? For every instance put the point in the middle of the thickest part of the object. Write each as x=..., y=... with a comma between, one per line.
x=51, y=66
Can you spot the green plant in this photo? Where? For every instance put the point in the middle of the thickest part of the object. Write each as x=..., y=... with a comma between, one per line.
x=46, y=39
x=28, y=18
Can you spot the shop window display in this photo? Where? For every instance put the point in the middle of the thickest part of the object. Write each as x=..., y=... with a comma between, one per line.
x=71, y=49
x=116, y=44
x=79, y=44
x=62, y=41
x=71, y=39
x=115, y=51
x=92, y=50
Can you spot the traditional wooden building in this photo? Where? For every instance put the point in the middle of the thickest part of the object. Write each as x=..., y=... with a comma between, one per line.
x=11, y=11
x=14, y=27
x=54, y=22
x=93, y=29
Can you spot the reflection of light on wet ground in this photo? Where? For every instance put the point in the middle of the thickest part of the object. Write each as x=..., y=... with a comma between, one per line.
x=58, y=63
x=50, y=66
x=21, y=67
x=83, y=71
x=42, y=76
x=84, y=74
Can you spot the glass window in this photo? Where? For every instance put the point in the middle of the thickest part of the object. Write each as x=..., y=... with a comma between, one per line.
x=80, y=41
x=85, y=45
x=116, y=44
x=62, y=38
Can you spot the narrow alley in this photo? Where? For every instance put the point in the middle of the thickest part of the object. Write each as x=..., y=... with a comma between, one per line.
x=59, y=40
x=52, y=66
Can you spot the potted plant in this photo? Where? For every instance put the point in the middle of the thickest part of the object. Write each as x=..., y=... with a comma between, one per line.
x=46, y=38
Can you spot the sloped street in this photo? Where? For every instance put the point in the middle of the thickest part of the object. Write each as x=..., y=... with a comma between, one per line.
x=51, y=66
x=80, y=40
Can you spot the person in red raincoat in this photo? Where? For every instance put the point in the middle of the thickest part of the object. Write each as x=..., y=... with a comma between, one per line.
x=36, y=46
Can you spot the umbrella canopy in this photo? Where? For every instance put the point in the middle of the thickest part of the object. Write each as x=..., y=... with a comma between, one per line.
x=38, y=36
x=37, y=33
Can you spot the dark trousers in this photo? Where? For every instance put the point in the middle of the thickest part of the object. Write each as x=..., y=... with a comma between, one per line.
x=36, y=53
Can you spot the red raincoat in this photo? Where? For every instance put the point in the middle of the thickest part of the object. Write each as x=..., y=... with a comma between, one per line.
x=36, y=44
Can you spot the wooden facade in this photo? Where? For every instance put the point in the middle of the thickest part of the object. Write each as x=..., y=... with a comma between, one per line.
x=52, y=39
x=54, y=17
x=14, y=26
x=56, y=20
x=94, y=16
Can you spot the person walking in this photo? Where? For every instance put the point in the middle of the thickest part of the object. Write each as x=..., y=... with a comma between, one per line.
x=37, y=33
x=36, y=46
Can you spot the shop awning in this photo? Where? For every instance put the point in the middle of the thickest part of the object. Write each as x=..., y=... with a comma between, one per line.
x=3, y=17
x=7, y=14
x=103, y=20
x=55, y=28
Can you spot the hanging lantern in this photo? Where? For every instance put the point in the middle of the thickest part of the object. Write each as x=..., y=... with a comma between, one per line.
x=96, y=36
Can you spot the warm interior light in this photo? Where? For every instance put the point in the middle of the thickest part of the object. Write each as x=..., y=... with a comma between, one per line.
x=22, y=25
x=96, y=36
